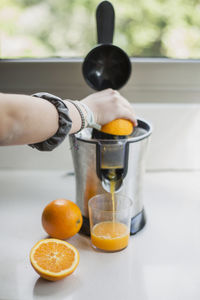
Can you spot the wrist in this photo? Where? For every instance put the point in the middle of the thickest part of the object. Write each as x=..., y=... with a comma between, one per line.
x=91, y=120
x=74, y=115
x=81, y=116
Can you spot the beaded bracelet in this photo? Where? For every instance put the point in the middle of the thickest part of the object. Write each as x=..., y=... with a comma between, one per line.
x=90, y=117
x=83, y=122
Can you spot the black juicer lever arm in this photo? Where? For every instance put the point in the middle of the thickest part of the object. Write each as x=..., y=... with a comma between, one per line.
x=105, y=18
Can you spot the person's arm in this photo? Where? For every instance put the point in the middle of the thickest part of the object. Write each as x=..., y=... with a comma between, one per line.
x=27, y=120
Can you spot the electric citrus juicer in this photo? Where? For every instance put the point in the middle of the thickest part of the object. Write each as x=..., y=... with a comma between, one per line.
x=98, y=159
x=95, y=159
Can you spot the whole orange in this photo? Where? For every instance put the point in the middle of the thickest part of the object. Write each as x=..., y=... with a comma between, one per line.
x=62, y=219
x=118, y=127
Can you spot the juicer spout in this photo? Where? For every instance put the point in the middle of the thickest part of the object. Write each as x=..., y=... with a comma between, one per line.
x=112, y=180
x=112, y=163
x=107, y=185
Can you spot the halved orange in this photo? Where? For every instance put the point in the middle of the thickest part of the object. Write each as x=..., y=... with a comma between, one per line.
x=118, y=127
x=54, y=259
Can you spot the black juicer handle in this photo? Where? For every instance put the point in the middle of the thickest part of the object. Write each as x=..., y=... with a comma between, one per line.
x=105, y=17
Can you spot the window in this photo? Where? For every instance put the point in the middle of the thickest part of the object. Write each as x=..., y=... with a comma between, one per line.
x=65, y=28
x=162, y=36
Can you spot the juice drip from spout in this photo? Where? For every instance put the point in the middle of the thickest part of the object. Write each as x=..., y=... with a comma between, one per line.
x=112, y=177
x=112, y=190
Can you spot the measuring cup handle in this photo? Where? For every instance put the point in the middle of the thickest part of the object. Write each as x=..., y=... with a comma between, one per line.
x=105, y=17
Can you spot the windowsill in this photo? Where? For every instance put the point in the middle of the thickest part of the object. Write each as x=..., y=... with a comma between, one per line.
x=153, y=80
x=80, y=59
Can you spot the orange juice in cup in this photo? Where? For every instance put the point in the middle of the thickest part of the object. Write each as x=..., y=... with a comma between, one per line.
x=110, y=236
x=110, y=229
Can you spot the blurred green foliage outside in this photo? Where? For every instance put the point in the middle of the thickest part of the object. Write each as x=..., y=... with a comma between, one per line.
x=67, y=28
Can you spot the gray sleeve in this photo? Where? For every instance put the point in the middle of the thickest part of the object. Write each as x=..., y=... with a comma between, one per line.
x=65, y=123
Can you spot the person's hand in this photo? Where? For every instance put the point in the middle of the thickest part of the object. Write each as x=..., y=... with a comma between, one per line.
x=109, y=105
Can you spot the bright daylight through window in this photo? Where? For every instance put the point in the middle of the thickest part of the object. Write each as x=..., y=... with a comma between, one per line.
x=65, y=28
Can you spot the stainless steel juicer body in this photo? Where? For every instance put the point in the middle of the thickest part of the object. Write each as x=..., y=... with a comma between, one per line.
x=93, y=159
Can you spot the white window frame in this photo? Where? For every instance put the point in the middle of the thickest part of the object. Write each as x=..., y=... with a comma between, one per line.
x=153, y=80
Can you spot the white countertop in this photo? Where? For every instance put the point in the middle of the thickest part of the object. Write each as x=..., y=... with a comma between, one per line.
x=162, y=262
